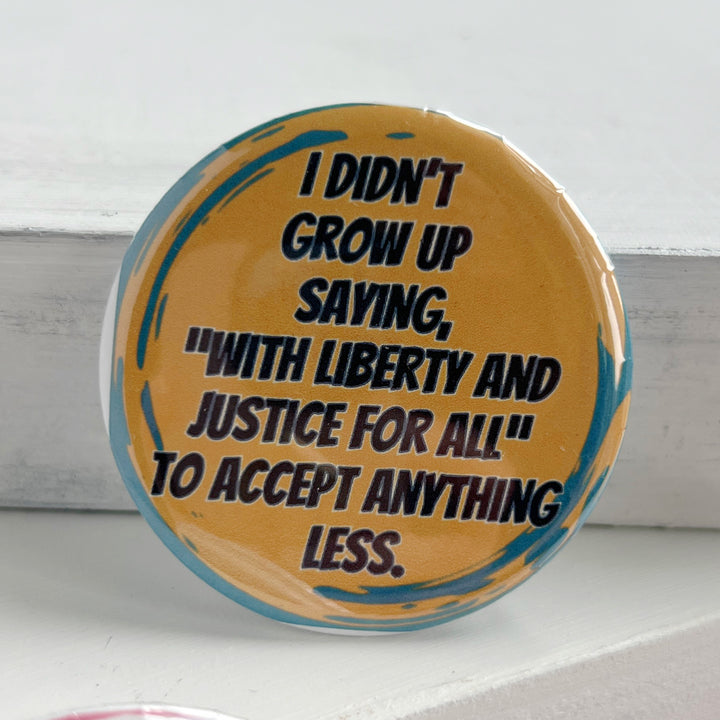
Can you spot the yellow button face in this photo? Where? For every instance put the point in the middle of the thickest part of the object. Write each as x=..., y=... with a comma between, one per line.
x=370, y=369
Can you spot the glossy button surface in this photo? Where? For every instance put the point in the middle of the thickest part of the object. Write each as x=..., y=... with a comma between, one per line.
x=370, y=368
x=142, y=712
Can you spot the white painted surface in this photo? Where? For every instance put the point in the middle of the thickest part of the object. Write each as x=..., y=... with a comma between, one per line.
x=54, y=451
x=106, y=104
x=671, y=676
x=93, y=609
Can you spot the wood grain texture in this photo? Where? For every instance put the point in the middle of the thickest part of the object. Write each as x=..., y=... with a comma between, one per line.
x=667, y=471
x=53, y=447
x=94, y=609
x=54, y=451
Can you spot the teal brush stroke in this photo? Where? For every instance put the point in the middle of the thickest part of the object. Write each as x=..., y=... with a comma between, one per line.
x=160, y=315
x=120, y=437
x=537, y=544
x=245, y=186
x=400, y=135
x=148, y=412
x=119, y=432
x=148, y=231
x=146, y=235
x=270, y=132
x=300, y=113
x=304, y=141
x=181, y=221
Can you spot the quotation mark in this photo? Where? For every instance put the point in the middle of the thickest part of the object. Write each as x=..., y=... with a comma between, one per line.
x=519, y=427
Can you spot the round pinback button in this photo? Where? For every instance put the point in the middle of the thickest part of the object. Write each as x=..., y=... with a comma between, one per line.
x=367, y=368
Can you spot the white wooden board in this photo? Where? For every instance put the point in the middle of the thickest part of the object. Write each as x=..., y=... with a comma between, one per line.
x=104, y=105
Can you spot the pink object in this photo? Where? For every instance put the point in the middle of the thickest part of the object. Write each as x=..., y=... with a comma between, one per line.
x=142, y=712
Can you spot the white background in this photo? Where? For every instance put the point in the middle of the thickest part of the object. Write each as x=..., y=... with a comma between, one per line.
x=105, y=104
